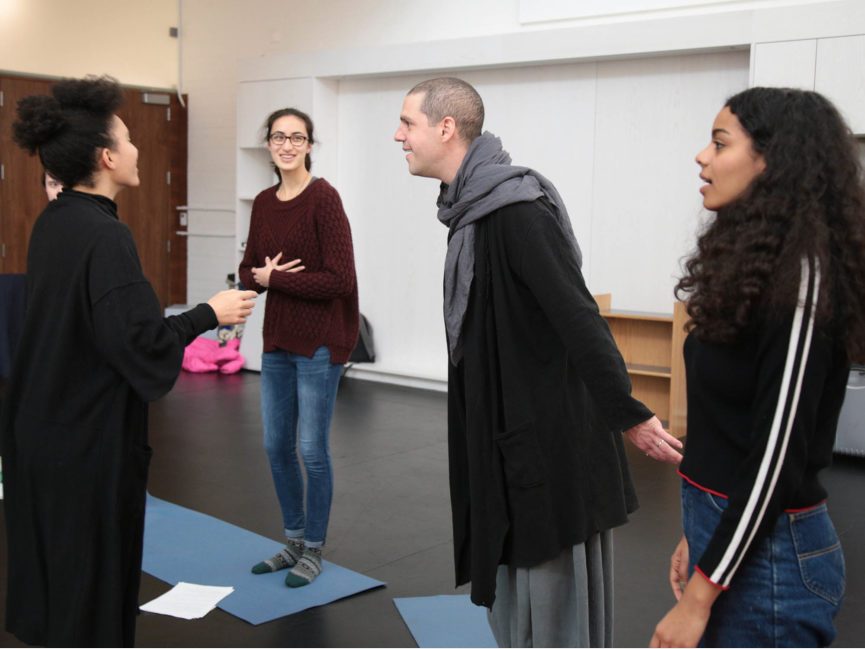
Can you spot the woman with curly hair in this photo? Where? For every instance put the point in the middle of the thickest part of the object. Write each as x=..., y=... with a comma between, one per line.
x=776, y=296
x=95, y=350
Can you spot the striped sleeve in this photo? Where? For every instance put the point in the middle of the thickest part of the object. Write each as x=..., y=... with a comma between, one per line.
x=791, y=368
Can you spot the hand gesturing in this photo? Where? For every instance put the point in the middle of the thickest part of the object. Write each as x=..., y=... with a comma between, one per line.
x=262, y=274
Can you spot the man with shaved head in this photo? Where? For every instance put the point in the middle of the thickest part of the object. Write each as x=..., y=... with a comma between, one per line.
x=538, y=394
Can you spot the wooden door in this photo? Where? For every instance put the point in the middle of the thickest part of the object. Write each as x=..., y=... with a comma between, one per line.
x=21, y=195
x=178, y=145
x=150, y=209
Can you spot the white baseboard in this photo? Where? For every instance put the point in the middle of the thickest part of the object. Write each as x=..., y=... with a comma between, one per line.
x=369, y=373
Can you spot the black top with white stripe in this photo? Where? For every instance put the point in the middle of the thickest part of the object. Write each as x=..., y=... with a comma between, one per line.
x=762, y=414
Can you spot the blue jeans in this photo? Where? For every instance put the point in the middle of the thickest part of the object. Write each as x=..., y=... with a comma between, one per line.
x=788, y=589
x=297, y=400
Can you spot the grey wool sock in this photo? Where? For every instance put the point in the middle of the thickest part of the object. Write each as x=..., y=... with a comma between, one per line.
x=308, y=567
x=285, y=558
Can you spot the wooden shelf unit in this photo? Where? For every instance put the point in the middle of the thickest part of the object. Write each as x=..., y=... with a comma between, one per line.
x=651, y=344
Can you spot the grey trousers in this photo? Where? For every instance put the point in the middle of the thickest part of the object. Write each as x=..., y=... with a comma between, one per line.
x=565, y=602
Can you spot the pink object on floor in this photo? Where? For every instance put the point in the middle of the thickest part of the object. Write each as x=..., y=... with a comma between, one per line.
x=205, y=355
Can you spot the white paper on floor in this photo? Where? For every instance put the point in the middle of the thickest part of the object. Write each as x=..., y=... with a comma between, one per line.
x=188, y=601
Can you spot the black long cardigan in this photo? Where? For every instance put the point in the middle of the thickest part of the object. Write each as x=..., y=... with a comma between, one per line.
x=95, y=350
x=537, y=405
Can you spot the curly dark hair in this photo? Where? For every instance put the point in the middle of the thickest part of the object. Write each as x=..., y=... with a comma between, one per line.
x=68, y=128
x=809, y=202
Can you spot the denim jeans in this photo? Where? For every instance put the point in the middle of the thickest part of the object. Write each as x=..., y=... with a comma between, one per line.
x=788, y=589
x=297, y=400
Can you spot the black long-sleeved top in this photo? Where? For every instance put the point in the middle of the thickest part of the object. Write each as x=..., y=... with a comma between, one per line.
x=762, y=415
x=94, y=351
x=536, y=407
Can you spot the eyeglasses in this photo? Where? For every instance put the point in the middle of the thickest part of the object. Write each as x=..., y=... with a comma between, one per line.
x=278, y=138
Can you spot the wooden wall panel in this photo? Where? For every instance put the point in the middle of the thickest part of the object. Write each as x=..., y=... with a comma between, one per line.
x=21, y=197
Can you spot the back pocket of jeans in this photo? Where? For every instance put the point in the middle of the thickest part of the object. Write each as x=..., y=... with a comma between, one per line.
x=521, y=454
x=821, y=560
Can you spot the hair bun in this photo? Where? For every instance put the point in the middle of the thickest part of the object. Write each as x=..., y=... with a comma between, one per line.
x=101, y=95
x=40, y=119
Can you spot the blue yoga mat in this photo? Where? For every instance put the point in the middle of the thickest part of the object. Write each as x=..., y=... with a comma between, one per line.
x=445, y=621
x=184, y=545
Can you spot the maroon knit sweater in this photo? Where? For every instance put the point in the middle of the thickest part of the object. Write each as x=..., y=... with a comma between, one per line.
x=316, y=306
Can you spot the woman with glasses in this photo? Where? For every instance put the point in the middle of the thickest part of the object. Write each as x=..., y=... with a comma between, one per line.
x=299, y=250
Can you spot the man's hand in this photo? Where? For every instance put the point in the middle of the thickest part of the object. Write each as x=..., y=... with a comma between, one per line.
x=651, y=438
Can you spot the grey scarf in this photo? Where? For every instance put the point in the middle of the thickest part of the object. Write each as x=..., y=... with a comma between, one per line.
x=485, y=182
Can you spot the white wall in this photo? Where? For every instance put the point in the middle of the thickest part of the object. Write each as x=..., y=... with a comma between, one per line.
x=127, y=39
x=652, y=116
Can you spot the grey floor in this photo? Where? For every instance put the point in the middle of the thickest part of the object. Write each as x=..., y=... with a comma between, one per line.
x=390, y=516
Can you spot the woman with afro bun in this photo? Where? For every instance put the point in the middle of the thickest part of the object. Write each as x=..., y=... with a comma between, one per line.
x=776, y=297
x=94, y=352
